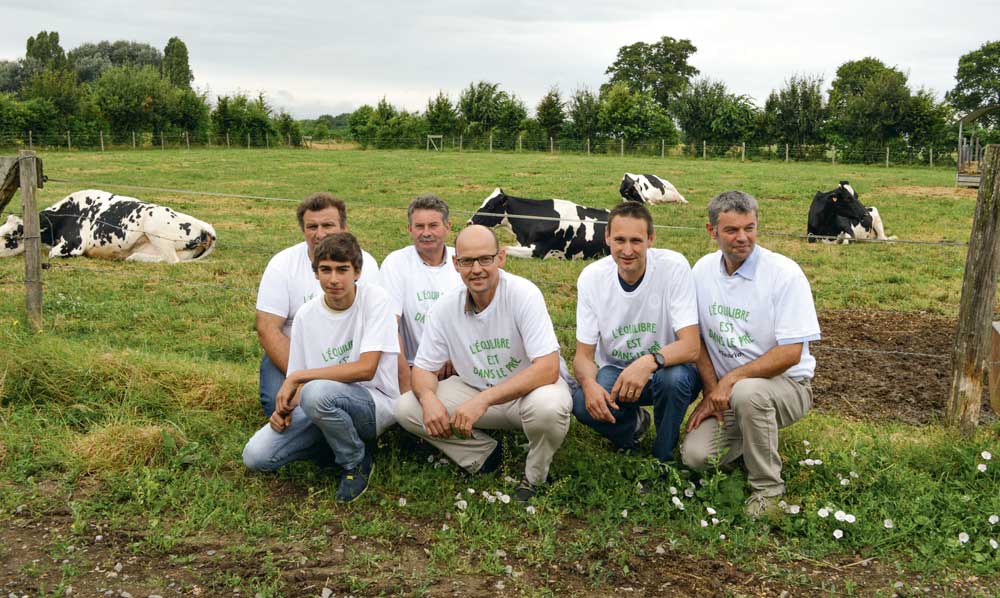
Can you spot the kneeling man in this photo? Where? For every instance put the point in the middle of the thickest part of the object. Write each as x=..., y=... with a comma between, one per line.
x=342, y=374
x=497, y=334
x=636, y=313
x=757, y=319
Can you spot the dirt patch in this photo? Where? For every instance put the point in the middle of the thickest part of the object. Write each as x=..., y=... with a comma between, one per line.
x=882, y=365
x=333, y=145
x=931, y=192
x=472, y=187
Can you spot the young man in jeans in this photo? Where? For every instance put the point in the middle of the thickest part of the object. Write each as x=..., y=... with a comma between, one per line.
x=342, y=379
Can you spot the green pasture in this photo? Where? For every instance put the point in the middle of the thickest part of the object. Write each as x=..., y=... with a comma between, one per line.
x=137, y=397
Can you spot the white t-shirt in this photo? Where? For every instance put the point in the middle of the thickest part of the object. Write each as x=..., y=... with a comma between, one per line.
x=493, y=345
x=289, y=282
x=766, y=302
x=322, y=337
x=415, y=287
x=627, y=325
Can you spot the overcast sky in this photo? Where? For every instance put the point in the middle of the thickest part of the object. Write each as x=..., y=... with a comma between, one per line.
x=312, y=58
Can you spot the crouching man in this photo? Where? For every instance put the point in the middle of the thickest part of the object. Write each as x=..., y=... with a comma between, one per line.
x=757, y=319
x=497, y=333
x=342, y=378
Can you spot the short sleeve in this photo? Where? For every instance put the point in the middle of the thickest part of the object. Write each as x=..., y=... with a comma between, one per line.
x=588, y=331
x=432, y=353
x=794, y=311
x=392, y=280
x=534, y=323
x=682, y=304
x=272, y=295
x=296, y=348
x=379, y=332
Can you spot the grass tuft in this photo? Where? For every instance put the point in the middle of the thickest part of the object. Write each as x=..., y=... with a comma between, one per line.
x=120, y=446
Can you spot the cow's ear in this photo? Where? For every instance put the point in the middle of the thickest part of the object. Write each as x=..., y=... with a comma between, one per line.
x=834, y=199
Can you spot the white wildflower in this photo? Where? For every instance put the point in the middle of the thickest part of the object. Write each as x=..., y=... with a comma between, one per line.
x=624, y=513
x=461, y=505
x=402, y=501
x=530, y=510
x=497, y=493
x=817, y=462
x=994, y=519
x=490, y=498
x=854, y=474
x=845, y=481
x=722, y=536
x=703, y=523
x=677, y=503
x=509, y=479
x=840, y=515
x=471, y=490
x=850, y=518
x=505, y=498
x=710, y=510
x=986, y=455
x=444, y=527
x=430, y=458
x=689, y=493
x=638, y=486
x=854, y=453
x=805, y=443
x=673, y=491
x=963, y=538
x=824, y=513
x=981, y=467
x=838, y=534
x=794, y=509
x=993, y=544
x=715, y=521
x=809, y=462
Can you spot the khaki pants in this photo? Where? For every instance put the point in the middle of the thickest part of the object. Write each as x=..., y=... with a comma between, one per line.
x=758, y=407
x=543, y=415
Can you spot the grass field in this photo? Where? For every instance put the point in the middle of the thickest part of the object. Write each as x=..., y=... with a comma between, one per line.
x=125, y=418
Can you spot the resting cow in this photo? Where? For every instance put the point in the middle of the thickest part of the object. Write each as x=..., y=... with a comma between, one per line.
x=649, y=188
x=103, y=225
x=839, y=213
x=578, y=232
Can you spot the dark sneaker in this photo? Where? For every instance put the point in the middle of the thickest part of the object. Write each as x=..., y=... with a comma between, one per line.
x=642, y=422
x=525, y=491
x=493, y=461
x=354, y=482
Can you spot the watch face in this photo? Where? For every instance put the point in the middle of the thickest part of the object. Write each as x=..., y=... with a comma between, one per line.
x=659, y=359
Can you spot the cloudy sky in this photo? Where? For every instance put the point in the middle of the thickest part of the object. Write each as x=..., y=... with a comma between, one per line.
x=330, y=57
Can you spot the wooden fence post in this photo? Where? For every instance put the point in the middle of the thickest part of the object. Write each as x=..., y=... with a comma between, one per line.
x=663, y=147
x=520, y=140
x=69, y=141
x=887, y=156
x=491, y=142
x=32, y=239
x=460, y=140
x=552, y=147
x=932, y=157
x=621, y=151
x=163, y=141
x=975, y=310
x=786, y=152
x=133, y=139
x=704, y=150
x=994, y=369
x=743, y=151
x=588, y=146
x=31, y=144
x=102, y=140
x=248, y=140
x=187, y=140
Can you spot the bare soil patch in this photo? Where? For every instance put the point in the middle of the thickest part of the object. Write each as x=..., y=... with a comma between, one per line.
x=883, y=365
x=931, y=192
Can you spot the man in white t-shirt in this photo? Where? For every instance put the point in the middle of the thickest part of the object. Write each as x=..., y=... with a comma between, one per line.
x=497, y=333
x=636, y=337
x=757, y=318
x=417, y=275
x=342, y=373
x=289, y=282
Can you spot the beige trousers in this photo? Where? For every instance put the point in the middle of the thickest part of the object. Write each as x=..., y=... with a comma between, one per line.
x=543, y=415
x=758, y=407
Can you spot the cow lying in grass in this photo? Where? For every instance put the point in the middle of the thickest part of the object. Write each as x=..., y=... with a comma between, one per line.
x=840, y=213
x=103, y=225
x=546, y=228
x=649, y=188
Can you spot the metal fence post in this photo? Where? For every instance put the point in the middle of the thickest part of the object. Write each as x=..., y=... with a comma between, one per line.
x=32, y=239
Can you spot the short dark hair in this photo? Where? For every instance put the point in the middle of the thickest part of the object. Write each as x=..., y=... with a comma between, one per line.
x=321, y=201
x=631, y=209
x=731, y=201
x=427, y=202
x=338, y=247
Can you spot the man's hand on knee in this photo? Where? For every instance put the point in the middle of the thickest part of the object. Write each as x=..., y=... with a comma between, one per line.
x=436, y=420
x=597, y=400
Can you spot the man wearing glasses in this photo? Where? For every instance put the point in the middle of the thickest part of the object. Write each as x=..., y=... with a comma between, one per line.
x=497, y=333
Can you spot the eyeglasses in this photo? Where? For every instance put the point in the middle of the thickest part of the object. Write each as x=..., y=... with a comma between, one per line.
x=484, y=260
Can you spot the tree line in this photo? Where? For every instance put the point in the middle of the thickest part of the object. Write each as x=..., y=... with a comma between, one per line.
x=124, y=87
x=653, y=93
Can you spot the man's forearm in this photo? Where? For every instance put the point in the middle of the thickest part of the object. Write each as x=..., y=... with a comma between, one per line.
x=424, y=383
x=277, y=346
x=773, y=363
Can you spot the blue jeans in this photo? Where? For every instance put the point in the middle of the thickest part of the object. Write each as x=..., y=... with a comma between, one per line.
x=271, y=379
x=330, y=414
x=670, y=391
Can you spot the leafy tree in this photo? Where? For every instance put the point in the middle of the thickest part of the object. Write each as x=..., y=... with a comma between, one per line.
x=796, y=113
x=92, y=59
x=633, y=116
x=442, y=118
x=58, y=85
x=10, y=76
x=288, y=129
x=360, y=124
x=549, y=113
x=188, y=111
x=479, y=106
x=868, y=104
x=403, y=129
x=45, y=48
x=708, y=112
x=175, y=66
x=511, y=111
x=978, y=81
x=132, y=98
x=660, y=68
x=928, y=123
x=584, y=112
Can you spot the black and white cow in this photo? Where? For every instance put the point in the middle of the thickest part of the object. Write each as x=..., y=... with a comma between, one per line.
x=579, y=232
x=103, y=225
x=649, y=188
x=839, y=213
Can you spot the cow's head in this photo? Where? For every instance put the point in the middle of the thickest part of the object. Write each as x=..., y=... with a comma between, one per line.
x=844, y=200
x=495, y=205
x=12, y=237
x=629, y=190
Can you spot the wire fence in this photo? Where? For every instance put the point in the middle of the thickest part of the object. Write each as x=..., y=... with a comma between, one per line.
x=892, y=154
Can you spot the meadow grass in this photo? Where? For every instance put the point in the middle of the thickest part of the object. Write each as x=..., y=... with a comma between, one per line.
x=137, y=397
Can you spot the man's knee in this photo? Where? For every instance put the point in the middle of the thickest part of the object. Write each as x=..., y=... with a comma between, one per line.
x=696, y=455
x=409, y=413
x=548, y=407
x=257, y=458
x=320, y=396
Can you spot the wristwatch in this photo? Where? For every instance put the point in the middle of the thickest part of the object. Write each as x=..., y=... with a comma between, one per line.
x=658, y=358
